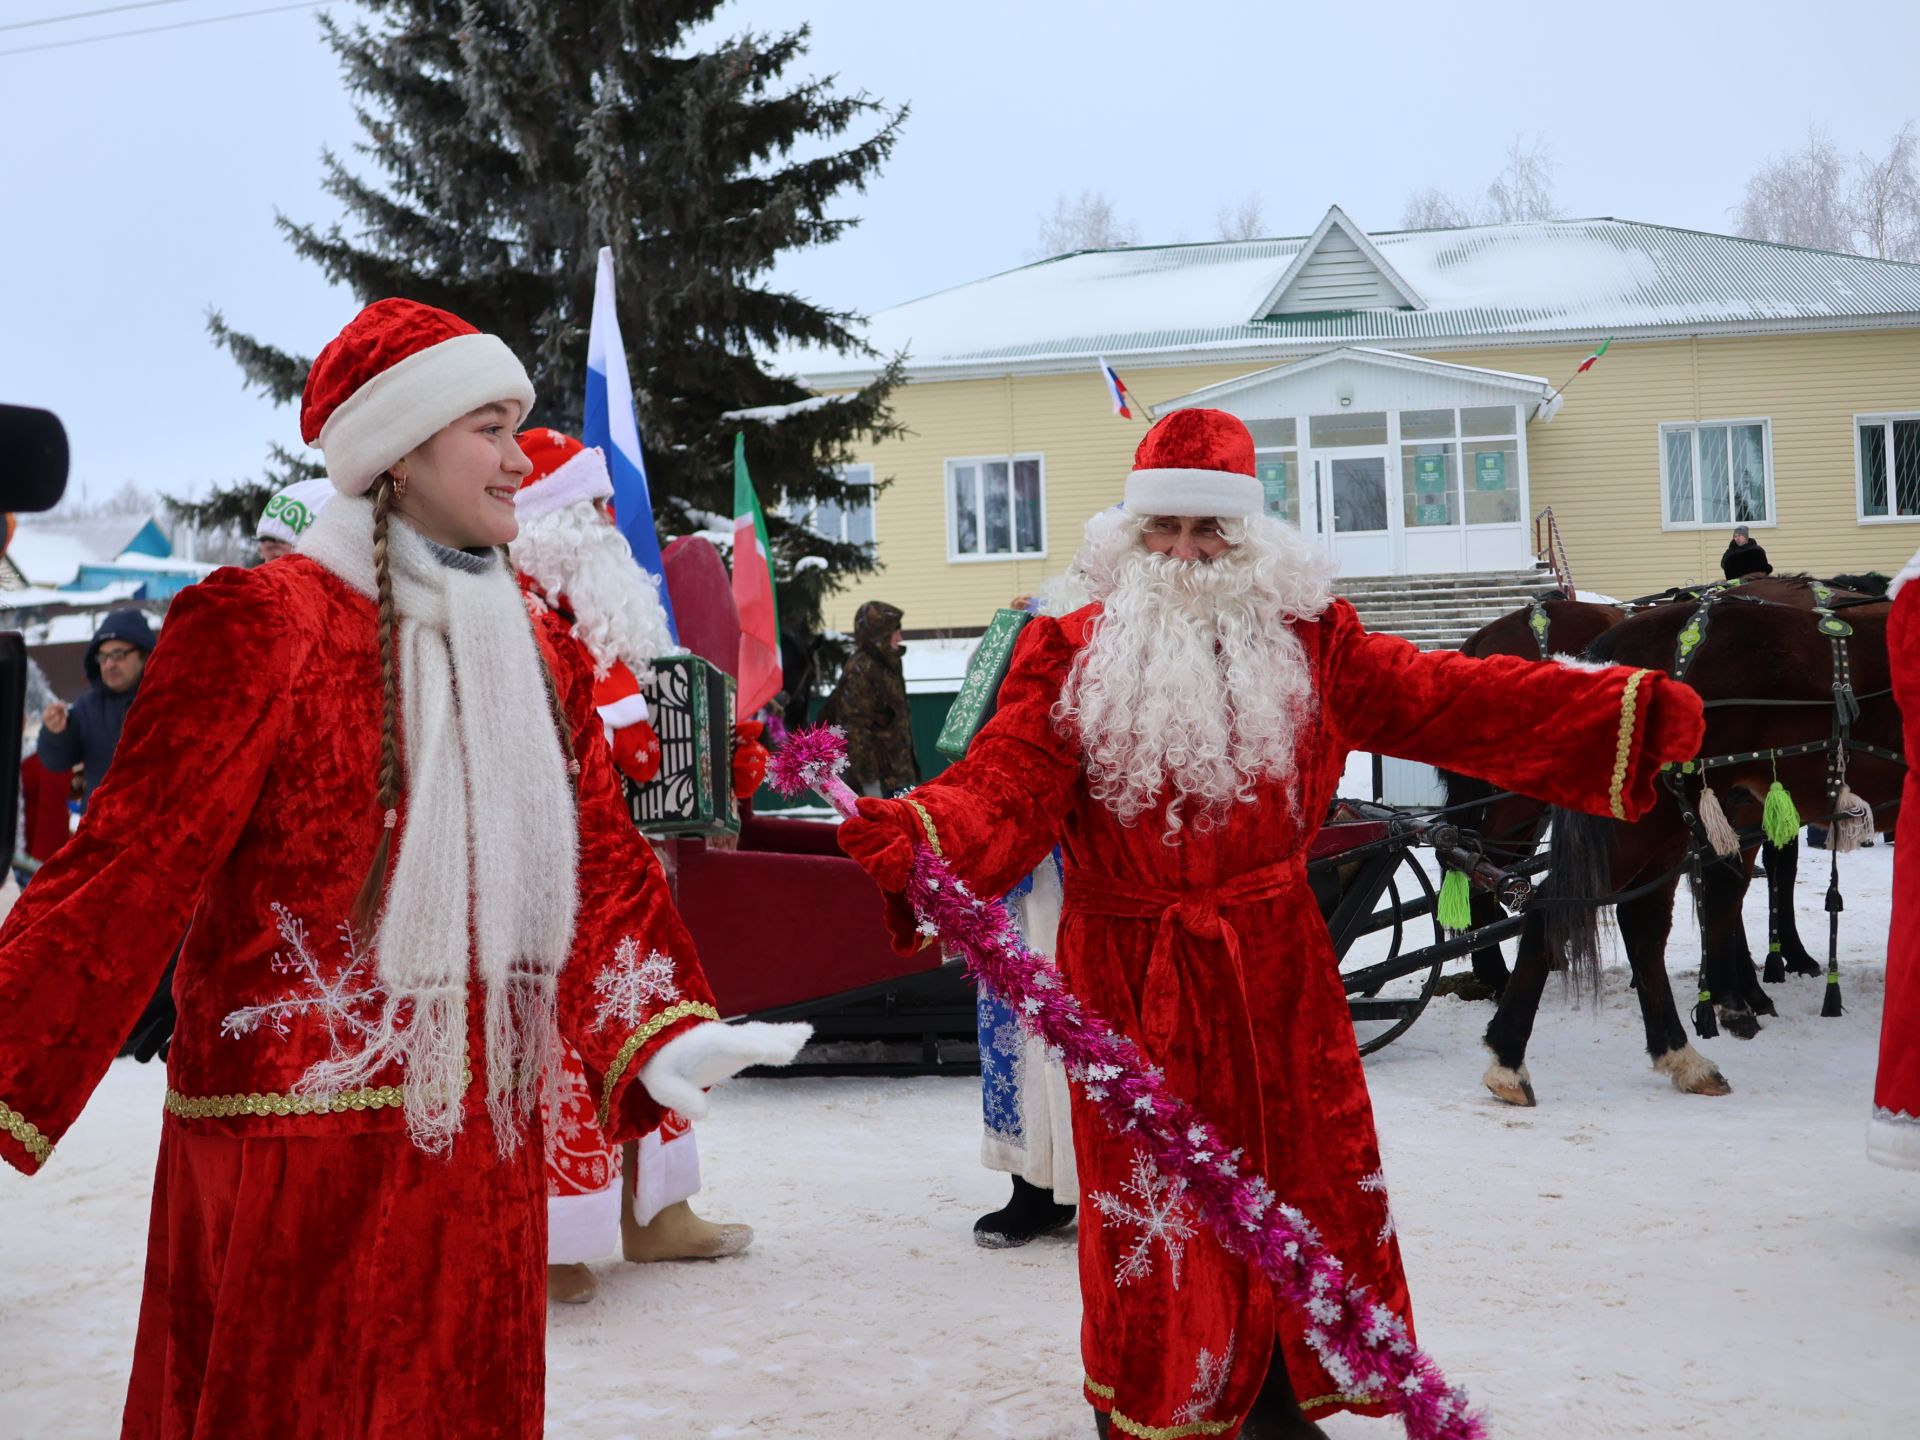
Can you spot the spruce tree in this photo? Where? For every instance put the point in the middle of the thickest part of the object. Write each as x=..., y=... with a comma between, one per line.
x=513, y=138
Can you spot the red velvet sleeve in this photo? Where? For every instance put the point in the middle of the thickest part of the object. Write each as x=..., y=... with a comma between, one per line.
x=1590, y=738
x=84, y=948
x=633, y=981
x=998, y=812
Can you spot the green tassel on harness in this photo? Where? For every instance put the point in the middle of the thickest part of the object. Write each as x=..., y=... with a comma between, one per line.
x=1781, y=817
x=1455, y=910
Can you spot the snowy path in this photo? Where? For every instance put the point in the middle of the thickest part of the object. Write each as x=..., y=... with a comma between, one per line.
x=1624, y=1261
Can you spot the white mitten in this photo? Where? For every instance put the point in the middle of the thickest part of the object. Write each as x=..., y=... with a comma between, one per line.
x=678, y=1074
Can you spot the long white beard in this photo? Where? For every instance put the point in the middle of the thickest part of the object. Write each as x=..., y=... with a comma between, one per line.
x=1193, y=686
x=616, y=606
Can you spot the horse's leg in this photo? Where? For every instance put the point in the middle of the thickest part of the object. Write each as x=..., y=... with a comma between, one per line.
x=1512, y=1023
x=1725, y=961
x=1782, y=867
x=1489, y=965
x=1645, y=924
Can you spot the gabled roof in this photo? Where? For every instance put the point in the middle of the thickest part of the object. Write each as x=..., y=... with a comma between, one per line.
x=1339, y=268
x=1538, y=282
x=1536, y=387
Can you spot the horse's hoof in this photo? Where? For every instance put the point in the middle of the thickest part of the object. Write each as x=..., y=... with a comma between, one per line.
x=1811, y=969
x=1739, y=1023
x=1692, y=1073
x=1762, y=1004
x=1513, y=1086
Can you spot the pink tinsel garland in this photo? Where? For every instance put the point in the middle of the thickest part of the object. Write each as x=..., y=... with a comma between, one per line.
x=1362, y=1345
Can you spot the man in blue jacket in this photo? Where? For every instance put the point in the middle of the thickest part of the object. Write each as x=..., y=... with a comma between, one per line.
x=86, y=732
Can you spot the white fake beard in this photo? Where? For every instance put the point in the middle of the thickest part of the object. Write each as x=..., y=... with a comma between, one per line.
x=616, y=606
x=1193, y=685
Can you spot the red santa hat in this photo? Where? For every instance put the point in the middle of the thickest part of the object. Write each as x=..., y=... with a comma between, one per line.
x=1195, y=462
x=398, y=373
x=565, y=472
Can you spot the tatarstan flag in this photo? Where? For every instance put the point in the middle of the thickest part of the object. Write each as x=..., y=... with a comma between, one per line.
x=753, y=594
x=1587, y=364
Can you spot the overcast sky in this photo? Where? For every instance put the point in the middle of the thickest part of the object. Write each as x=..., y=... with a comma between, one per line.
x=141, y=176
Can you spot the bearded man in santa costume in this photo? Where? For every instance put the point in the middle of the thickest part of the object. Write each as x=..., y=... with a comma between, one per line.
x=375, y=800
x=1181, y=738
x=1893, y=1130
x=581, y=581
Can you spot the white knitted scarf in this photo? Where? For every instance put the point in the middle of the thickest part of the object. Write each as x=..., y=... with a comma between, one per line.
x=483, y=767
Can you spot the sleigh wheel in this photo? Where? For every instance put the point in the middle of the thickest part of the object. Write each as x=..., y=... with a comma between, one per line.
x=1383, y=929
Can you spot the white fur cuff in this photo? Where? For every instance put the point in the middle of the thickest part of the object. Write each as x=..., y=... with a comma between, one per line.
x=1907, y=572
x=1893, y=1138
x=584, y=477
x=1218, y=493
x=678, y=1074
x=408, y=403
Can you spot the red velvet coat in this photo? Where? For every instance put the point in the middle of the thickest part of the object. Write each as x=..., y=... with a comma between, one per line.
x=1213, y=955
x=1893, y=1132
x=294, y=1243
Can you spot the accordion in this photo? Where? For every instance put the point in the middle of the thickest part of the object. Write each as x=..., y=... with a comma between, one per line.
x=980, y=691
x=690, y=703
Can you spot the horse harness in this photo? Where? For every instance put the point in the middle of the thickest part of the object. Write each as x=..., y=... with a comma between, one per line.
x=1839, y=744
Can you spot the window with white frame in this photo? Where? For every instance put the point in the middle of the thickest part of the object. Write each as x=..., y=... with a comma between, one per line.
x=1887, y=461
x=996, y=507
x=1716, y=472
x=849, y=521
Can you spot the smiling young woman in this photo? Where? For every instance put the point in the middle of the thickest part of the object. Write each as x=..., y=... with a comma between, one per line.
x=377, y=802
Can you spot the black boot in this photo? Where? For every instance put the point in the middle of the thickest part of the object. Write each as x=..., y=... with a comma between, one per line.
x=1276, y=1414
x=1102, y=1424
x=1031, y=1212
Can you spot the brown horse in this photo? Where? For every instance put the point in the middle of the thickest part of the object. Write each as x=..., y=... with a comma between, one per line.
x=1756, y=649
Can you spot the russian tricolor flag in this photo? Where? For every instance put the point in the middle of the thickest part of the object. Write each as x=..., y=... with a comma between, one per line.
x=612, y=425
x=1117, y=390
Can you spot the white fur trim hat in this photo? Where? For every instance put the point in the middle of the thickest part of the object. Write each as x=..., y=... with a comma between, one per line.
x=565, y=472
x=1195, y=462
x=400, y=372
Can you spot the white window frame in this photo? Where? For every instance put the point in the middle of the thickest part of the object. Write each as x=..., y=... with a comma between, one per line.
x=1883, y=418
x=1766, y=462
x=954, y=554
x=806, y=513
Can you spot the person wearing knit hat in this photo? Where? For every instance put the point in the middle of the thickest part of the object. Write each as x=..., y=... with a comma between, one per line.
x=405, y=872
x=581, y=581
x=288, y=514
x=1180, y=738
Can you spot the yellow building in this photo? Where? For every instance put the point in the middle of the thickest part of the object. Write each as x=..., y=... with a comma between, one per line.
x=1404, y=391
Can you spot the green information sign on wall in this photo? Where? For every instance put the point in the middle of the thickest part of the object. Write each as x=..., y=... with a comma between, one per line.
x=1273, y=480
x=1430, y=514
x=1490, y=470
x=1430, y=474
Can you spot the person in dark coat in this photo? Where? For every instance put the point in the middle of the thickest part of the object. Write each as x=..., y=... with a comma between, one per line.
x=86, y=732
x=870, y=704
x=1744, y=556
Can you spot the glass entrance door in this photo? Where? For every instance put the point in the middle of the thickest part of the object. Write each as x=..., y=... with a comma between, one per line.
x=1356, y=517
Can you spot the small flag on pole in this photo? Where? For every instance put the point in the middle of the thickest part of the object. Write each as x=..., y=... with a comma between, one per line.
x=1117, y=389
x=1587, y=364
x=753, y=593
x=612, y=425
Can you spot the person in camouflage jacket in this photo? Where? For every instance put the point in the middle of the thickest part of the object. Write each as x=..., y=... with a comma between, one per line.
x=870, y=704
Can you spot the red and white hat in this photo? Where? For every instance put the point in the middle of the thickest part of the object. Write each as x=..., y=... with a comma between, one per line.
x=1195, y=462
x=398, y=373
x=565, y=472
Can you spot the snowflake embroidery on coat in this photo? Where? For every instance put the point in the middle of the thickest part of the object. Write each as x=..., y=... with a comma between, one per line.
x=1158, y=1210
x=1209, y=1383
x=629, y=986
x=999, y=1070
x=348, y=1002
x=1376, y=1184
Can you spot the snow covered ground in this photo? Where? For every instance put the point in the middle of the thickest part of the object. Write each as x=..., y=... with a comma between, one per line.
x=1623, y=1261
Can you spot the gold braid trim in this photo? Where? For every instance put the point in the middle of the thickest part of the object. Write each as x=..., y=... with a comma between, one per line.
x=1128, y=1426
x=1623, y=752
x=926, y=821
x=1320, y=1402
x=640, y=1037
x=26, y=1132
x=224, y=1107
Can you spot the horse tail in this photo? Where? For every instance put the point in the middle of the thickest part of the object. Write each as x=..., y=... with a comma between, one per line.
x=1467, y=791
x=1579, y=871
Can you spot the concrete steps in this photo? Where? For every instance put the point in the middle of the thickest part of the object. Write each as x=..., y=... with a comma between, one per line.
x=1437, y=612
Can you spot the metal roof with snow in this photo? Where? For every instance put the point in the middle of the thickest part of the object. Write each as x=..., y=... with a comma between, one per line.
x=1538, y=282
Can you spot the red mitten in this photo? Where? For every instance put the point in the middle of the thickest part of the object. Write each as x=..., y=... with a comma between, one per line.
x=881, y=837
x=1676, y=721
x=749, y=759
x=636, y=750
